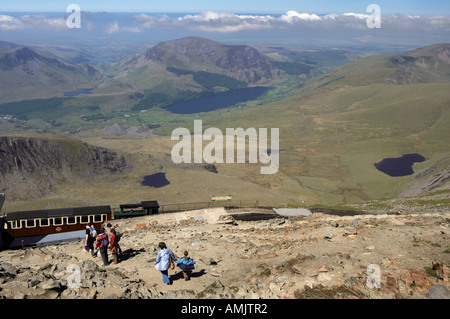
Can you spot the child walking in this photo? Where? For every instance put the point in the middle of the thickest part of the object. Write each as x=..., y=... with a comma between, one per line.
x=186, y=264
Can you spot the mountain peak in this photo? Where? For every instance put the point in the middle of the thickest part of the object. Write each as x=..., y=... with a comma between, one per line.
x=18, y=56
x=239, y=61
x=39, y=75
x=439, y=51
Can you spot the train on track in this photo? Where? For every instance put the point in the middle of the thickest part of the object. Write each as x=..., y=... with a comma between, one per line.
x=41, y=227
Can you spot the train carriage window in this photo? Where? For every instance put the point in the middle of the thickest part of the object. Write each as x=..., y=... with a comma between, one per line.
x=44, y=222
x=58, y=221
x=30, y=223
x=97, y=218
x=85, y=219
x=71, y=220
x=15, y=224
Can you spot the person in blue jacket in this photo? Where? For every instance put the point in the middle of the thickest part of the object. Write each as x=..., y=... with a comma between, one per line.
x=162, y=263
x=186, y=264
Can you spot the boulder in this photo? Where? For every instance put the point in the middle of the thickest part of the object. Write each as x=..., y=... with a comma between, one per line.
x=50, y=284
x=89, y=266
x=7, y=270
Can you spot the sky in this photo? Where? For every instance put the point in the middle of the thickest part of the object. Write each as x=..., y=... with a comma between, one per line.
x=276, y=21
x=410, y=7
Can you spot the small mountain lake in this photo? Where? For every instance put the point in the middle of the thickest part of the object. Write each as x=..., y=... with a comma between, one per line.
x=157, y=180
x=78, y=92
x=400, y=166
x=217, y=101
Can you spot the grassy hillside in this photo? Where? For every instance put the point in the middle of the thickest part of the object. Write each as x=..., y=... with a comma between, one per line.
x=332, y=135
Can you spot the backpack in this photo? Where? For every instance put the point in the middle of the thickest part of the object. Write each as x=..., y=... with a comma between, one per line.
x=93, y=232
x=105, y=241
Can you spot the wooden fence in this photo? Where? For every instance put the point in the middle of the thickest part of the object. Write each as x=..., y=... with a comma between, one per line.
x=170, y=208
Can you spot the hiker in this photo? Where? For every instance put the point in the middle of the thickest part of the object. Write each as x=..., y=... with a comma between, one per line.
x=163, y=262
x=114, y=247
x=102, y=244
x=109, y=229
x=186, y=264
x=91, y=235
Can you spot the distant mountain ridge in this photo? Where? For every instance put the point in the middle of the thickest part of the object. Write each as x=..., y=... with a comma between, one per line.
x=429, y=64
x=23, y=57
x=24, y=73
x=239, y=61
x=189, y=67
x=425, y=65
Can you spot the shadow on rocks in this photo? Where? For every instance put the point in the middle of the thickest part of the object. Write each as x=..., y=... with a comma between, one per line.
x=130, y=253
x=194, y=274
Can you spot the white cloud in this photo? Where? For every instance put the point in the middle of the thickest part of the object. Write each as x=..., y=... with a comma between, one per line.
x=225, y=22
x=360, y=16
x=113, y=28
x=292, y=16
x=8, y=23
x=31, y=21
x=230, y=22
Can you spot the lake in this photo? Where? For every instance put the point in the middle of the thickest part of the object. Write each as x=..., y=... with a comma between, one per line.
x=216, y=101
x=157, y=180
x=78, y=92
x=400, y=166
x=100, y=60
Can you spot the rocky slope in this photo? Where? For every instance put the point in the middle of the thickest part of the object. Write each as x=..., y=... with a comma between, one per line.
x=425, y=65
x=319, y=256
x=431, y=178
x=30, y=165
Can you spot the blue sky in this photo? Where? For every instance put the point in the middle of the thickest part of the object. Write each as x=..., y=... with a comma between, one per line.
x=343, y=21
x=412, y=7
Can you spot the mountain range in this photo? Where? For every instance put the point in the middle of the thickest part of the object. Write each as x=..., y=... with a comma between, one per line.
x=430, y=64
x=25, y=74
x=166, y=72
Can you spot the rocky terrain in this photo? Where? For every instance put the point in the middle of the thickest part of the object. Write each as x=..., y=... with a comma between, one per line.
x=29, y=165
x=389, y=256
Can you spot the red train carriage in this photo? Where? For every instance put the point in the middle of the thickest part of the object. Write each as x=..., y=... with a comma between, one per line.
x=39, y=227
